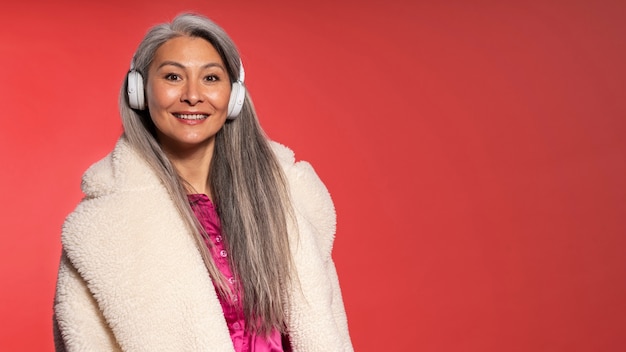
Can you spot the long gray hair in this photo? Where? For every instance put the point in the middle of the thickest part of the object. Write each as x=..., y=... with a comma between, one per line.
x=247, y=183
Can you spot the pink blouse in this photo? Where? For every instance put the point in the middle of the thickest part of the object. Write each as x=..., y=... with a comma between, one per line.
x=244, y=341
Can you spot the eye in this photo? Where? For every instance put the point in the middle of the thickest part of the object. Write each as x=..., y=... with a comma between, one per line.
x=212, y=78
x=172, y=77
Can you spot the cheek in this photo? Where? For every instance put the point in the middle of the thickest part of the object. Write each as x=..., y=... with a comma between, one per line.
x=220, y=97
x=161, y=97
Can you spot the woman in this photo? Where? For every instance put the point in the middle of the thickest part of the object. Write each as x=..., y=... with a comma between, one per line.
x=196, y=233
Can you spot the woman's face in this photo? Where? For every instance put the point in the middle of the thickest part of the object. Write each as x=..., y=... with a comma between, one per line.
x=187, y=91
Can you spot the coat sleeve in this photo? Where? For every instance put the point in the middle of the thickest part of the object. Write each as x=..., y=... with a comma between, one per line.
x=78, y=323
x=313, y=201
x=338, y=309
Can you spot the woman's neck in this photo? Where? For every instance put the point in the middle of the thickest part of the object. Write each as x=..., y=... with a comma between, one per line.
x=192, y=165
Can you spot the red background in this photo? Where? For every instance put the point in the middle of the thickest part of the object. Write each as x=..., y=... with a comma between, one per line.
x=475, y=152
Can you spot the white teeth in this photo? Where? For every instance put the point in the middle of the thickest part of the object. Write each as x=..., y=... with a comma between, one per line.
x=191, y=117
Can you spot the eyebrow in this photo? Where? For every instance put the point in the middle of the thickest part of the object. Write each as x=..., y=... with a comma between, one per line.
x=181, y=66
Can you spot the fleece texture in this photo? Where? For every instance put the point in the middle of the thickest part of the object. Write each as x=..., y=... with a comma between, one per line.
x=132, y=279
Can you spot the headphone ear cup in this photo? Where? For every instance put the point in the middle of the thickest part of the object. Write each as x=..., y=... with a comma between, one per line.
x=237, y=97
x=135, y=92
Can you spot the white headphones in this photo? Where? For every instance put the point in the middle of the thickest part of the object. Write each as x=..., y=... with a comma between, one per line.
x=136, y=95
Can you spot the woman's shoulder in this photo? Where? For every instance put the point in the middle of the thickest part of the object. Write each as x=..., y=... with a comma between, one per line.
x=125, y=206
x=310, y=197
x=121, y=170
x=114, y=188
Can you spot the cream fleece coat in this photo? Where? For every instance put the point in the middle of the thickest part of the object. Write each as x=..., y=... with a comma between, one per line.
x=132, y=279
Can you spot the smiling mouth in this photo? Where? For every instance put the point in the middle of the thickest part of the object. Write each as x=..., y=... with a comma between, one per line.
x=191, y=116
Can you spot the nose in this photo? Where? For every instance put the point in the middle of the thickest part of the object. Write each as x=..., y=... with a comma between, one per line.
x=192, y=93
